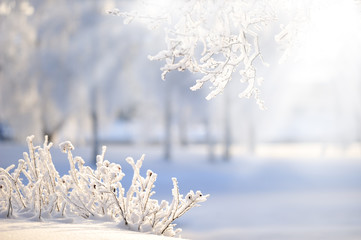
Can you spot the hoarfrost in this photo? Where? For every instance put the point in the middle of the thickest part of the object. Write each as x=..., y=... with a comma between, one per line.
x=89, y=193
x=213, y=38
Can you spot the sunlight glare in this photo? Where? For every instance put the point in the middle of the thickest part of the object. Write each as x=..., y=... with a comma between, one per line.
x=333, y=31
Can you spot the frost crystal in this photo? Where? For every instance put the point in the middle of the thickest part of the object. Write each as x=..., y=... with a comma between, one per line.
x=66, y=146
x=89, y=193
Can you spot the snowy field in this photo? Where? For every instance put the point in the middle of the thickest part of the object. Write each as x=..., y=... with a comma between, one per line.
x=89, y=230
x=307, y=196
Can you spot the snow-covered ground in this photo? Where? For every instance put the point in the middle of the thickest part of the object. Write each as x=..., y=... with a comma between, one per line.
x=303, y=196
x=89, y=230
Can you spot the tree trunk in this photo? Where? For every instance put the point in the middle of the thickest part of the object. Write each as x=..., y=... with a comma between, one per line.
x=183, y=118
x=95, y=130
x=209, y=140
x=168, y=122
x=95, y=91
x=251, y=134
x=227, y=128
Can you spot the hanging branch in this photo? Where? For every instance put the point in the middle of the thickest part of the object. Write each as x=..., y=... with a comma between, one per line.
x=213, y=38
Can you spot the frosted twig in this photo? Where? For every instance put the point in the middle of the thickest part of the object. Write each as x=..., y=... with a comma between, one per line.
x=86, y=192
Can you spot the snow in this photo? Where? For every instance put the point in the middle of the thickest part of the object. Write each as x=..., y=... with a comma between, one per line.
x=11, y=229
x=277, y=215
x=292, y=197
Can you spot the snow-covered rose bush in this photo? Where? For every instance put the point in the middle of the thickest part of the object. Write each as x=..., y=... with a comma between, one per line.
x=88, y=193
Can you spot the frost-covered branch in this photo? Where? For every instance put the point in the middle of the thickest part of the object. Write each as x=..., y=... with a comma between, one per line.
x=87, y=193
x=213, y=38
x=35, y=196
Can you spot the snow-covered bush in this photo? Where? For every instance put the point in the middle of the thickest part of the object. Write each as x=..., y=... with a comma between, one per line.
x=88, y=193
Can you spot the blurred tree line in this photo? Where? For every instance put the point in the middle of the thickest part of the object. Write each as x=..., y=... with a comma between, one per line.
x=68, y=70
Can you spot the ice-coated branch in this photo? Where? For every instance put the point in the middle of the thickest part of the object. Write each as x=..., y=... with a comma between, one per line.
x=37, y=195
x=180, y=206
x=87, y=193
x=213, y=38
